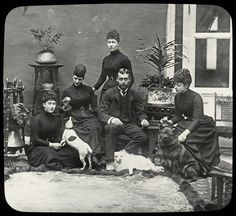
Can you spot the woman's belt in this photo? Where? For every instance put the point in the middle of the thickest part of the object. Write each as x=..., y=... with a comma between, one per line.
x=82, y=109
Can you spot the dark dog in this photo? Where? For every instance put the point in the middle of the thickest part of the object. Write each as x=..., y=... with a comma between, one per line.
x=173, y=155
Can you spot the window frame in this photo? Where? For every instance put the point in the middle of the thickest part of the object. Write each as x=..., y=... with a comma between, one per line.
x=189, y=39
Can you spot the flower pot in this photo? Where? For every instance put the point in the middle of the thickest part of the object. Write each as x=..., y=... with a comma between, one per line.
x=14, y=140
x=46, y=57
x=160, y=96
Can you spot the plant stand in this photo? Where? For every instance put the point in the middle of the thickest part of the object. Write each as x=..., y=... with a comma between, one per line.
x=39, y=70
x=157, y=112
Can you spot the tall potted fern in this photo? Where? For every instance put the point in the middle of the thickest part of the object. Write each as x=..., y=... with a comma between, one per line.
x=160, y=56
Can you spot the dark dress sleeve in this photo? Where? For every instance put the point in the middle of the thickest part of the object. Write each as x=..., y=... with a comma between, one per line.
x=59, y=129
x=127, y=65
x=102, y=77
x=197, y=112
x=35, y=128
x=178, y=114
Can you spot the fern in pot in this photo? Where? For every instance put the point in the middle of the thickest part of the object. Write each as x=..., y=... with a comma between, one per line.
x=47, y=39
x=160, y=56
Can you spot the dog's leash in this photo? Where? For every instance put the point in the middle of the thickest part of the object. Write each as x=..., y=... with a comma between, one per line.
x=196, y=157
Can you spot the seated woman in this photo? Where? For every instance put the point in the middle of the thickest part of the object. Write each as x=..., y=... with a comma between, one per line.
x=46, y=135
x=196, y=130
x=80, y=102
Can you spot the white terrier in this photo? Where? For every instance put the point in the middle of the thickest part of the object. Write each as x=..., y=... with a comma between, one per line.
x=124, y=160
x=71, y=138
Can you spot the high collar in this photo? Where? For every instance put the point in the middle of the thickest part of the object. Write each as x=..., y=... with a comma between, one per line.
x=47, y=113
x=186, y=92
x=77, y=87
x=115, y=52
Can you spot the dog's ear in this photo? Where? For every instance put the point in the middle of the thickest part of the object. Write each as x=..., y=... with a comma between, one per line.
x=65, y=119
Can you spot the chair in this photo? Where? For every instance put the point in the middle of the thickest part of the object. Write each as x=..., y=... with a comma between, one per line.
x=223, y=119
x=221, y=175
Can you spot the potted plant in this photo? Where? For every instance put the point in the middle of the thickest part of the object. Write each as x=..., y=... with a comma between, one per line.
x=160, y=56
x=19, y=117
x=46, y=38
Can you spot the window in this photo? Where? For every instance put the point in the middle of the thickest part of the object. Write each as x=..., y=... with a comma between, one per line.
x=207, y=38
x=212, y=52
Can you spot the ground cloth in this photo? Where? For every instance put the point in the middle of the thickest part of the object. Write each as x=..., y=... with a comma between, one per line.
x=40, y=190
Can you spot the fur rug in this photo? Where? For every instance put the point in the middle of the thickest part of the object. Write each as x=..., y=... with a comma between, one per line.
x=56, y=191
x=21, y=176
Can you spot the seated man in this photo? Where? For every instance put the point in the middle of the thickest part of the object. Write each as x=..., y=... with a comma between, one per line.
x=121, y=110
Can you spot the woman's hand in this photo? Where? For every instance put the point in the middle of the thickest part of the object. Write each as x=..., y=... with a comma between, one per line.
x=183, y=136
x=55, y=145
x=66, y=100
x=63, y=143
x=66, y=104
x=164, y=121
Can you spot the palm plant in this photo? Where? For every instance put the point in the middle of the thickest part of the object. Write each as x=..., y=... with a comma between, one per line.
x=160, y=56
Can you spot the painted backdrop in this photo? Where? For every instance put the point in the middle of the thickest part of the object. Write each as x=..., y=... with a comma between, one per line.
x=84, y=29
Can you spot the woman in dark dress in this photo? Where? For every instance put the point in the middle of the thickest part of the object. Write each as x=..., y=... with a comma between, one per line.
x=46, y=135
x=80, y=102
x=196, y=130
x=112, y=63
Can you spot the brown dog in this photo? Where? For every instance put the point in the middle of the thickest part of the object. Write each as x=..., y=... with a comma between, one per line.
x=173, y=155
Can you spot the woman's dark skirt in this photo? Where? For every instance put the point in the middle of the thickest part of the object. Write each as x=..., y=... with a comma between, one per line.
x=66, y=156
x=89, y=129
x=201, y=142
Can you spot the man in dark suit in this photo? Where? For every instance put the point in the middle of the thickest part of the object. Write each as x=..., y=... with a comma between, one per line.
x=122, y=109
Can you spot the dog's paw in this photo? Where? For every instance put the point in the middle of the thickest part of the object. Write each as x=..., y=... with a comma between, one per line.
x=159, y=169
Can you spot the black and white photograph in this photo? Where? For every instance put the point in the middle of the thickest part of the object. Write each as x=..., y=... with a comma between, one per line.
x=118, y=108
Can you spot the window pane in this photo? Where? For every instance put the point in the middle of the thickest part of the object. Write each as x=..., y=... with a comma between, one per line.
x=212, y=18
x=218, y=77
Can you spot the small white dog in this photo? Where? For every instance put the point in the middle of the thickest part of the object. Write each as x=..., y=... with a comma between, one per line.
x=124, y=160
x=70, y=137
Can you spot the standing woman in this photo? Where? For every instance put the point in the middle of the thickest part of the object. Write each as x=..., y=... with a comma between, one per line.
x=46, y=135
x=80, y=103
x=196, y=130
x=112, y=63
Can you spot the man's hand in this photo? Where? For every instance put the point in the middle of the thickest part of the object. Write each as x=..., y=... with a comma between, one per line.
x=116, y=121
x=144, y=123
x=183, y=136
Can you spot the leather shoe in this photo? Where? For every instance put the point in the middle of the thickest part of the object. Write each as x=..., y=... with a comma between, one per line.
x=95, y=159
